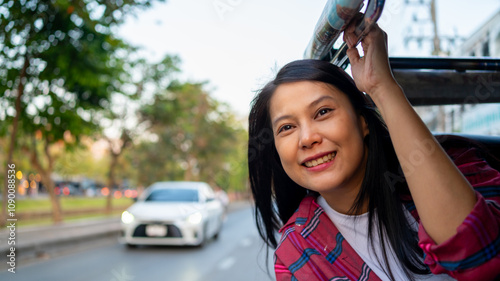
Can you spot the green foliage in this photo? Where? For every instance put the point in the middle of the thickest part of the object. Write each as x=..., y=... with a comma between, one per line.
x=81, y=162
x=69, y=203
x=67, y=63
x=197, y=139
x=21, y=161
x=64, y=57
x=235, y=173
x=59, y=64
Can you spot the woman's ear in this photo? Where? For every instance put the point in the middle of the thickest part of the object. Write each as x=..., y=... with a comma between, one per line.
x=363, y=126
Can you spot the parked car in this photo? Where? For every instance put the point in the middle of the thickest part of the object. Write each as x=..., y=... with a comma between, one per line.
x=173, y=213
x=67, y=188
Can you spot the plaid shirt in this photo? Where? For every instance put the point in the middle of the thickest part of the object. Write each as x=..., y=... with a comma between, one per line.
x=312, y=248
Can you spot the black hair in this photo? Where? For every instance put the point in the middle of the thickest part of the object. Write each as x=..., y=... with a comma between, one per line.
x=277, y=196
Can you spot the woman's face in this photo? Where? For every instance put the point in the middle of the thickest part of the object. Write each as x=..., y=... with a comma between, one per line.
x=319, y=137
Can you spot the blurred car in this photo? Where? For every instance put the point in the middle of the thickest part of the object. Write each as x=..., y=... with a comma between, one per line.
x=67, y=188
x=173, y=213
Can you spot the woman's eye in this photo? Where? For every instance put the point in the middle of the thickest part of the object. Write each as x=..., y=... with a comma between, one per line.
x=284, y=128
x=323, y=111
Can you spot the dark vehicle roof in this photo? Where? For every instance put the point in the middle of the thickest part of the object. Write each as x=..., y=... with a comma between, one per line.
x=441, y=81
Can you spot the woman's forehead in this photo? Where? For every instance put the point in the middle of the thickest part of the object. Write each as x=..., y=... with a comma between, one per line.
x=303, y=94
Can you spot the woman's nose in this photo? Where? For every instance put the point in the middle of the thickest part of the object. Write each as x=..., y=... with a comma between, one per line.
x=309, y=137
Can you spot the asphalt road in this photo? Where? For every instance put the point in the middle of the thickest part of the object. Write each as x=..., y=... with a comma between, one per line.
x=238, y=254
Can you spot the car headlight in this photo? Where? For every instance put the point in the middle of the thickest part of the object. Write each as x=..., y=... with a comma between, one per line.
x=194, y=218
x=127, y=217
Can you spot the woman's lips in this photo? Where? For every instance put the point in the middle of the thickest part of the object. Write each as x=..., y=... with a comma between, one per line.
x=320, y=160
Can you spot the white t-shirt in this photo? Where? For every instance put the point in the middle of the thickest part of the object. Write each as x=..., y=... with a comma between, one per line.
x=355, y=231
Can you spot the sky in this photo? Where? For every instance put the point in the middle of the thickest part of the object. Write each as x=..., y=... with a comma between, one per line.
x=238, y=45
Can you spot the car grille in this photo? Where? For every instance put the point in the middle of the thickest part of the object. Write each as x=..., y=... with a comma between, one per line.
x=172, y=231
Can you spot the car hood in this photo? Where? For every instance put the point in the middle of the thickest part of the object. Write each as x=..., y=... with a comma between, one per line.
x=164, y=210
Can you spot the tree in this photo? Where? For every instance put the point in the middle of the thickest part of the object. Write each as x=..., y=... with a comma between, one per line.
x=59, y=63
x=195, y=137
x=81, y=161
x=122, y=119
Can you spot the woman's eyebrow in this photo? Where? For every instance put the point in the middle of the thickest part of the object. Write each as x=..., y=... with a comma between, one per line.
x=276, y=121
x=321, y=99
x=312, y=104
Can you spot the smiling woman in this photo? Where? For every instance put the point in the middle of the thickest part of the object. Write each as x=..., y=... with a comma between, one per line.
x=357, y=198
x=317, y=129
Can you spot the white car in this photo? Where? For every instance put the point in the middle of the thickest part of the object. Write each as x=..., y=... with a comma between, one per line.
x=173, y=213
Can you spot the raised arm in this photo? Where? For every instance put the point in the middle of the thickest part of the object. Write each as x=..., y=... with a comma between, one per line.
x=442, y=196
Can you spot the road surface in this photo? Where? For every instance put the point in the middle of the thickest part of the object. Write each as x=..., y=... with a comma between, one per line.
x=238, y=254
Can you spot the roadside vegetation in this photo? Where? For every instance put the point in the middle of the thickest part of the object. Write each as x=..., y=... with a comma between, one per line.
x=78, y=102
x=37, y=212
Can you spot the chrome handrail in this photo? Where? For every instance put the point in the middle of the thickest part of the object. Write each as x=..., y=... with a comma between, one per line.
x=335, y=17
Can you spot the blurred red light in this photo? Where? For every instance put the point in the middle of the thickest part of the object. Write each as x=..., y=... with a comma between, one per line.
x=117, y=194
x=105, y=191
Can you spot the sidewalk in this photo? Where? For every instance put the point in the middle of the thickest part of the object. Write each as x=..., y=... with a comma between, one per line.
x=43, y=241
x=32, y=243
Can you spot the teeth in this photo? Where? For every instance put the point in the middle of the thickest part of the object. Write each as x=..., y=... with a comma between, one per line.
x=321, y=160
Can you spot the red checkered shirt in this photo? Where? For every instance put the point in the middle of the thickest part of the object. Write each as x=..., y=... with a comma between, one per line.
x=312, y=248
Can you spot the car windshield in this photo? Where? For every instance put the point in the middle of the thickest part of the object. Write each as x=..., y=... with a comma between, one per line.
x=173, y=195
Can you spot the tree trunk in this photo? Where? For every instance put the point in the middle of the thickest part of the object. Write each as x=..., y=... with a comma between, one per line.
x=47, y=180
x=188, y=174
x=13, y=136
x=115, y=152
x=111, y=180
x=57, y=216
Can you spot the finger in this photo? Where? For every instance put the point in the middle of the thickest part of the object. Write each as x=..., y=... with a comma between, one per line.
x=354, y=22
x=353, y=55
x=371, y=32
x=374, y=36
x=350, y=39
x=350, y=36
